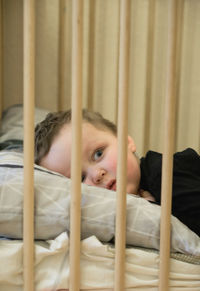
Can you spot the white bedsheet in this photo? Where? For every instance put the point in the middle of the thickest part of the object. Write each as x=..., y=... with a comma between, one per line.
x=97, y=265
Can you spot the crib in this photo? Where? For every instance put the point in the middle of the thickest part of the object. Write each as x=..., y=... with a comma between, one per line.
x=120, y=260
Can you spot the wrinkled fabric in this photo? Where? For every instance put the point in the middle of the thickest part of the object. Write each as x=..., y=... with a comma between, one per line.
x=97, y=267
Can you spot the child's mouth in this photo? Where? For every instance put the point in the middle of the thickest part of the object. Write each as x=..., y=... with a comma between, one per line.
x=111, y=185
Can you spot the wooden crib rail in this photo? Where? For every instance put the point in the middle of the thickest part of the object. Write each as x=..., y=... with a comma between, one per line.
x=167, y=165
x=120, y=232
x=62, y=54
x=29, y=94
x=75, y=205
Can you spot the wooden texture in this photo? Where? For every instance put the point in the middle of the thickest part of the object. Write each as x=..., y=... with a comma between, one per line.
x=167, y=165
x=62, y=54
x=149, y=73
x=75, y=209
x=120, y=234
x=29, y=92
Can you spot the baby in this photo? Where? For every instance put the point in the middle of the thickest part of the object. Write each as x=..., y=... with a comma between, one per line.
x=53, y=144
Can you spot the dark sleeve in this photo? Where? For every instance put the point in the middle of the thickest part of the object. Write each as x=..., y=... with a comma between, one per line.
x=151, y=174
x=186, y=189
x=186, y=184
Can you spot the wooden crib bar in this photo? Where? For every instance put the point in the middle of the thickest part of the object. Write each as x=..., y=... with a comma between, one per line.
x=29, y=92
x=120, y=232
x=167, y=165
x=62, y=54
x=75, y=205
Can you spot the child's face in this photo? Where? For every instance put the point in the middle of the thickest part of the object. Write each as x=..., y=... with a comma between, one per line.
x=99, y=158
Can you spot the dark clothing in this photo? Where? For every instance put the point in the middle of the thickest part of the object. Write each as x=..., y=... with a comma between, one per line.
x=186, y=184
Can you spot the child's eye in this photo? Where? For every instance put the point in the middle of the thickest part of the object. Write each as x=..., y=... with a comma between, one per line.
x=83, y=178
x=98, y=153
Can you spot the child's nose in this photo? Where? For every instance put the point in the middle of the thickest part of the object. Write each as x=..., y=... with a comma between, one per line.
x=99, y=175
x=95, y=176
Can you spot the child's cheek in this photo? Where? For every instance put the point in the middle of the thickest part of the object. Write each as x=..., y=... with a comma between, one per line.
x=112, y=165
x=110, y=161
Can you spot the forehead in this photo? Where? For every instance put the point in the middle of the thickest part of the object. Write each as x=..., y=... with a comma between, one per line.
x=90, y=135
x=94, y=131
x=89, y=132
x=86, y=125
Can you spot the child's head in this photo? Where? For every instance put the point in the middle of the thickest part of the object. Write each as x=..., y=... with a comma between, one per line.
x=49, y=128
x=99, y=149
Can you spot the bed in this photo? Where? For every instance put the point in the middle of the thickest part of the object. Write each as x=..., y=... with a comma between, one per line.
x=52, y=192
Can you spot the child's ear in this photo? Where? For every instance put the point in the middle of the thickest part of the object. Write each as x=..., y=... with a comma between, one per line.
x=131, y=144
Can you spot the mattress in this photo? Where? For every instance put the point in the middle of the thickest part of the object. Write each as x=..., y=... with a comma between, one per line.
x=97, y=266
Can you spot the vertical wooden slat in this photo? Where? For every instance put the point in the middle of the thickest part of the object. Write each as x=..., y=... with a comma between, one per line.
x=29, y=90
x=149, y=73
x=75, y=211
x=167, y=165
x=62, y=54
x=179, y=56
x=91, y=54
x=120, y=233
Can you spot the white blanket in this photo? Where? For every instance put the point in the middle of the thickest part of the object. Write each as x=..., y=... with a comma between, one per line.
x=97, y=267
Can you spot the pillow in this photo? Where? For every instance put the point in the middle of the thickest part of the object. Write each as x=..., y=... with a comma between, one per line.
x=52, y=210
x=12, y=122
